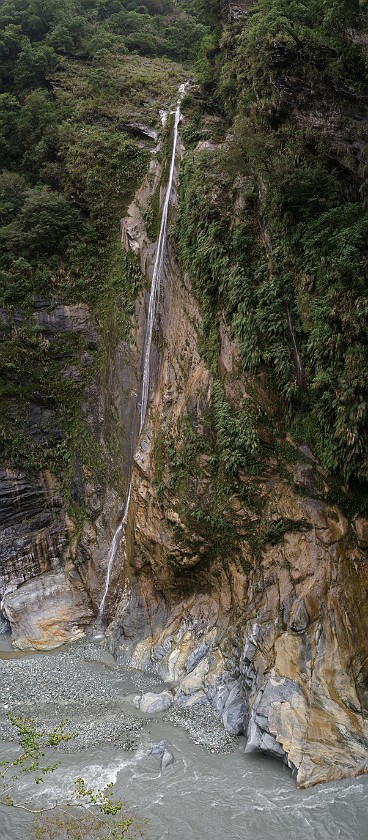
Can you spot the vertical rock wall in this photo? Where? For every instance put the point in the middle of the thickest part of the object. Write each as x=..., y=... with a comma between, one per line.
x=274, y=639
x=271, y=631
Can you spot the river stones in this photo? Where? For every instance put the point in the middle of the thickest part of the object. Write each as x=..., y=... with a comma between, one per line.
x=151, y=702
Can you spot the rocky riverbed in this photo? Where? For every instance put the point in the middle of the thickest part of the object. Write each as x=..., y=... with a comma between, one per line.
x=83, y=685
x=177, y=769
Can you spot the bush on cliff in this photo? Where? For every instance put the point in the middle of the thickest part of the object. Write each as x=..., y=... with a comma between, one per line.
x=273, y=220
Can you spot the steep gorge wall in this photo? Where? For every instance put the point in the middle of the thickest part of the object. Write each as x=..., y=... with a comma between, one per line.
x=267, y=620
x=53, y=548
x=246, y=589
x=275, y=639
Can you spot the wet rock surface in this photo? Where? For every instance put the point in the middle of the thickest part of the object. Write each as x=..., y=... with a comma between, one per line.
x=75, y=319
x=47, y=611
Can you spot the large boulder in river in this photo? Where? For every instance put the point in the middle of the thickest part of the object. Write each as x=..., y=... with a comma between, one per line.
x=151, y=702
x=46, y=612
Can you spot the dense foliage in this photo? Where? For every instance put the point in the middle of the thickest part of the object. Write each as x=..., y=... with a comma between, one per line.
x=69, y=77
x=272, y=225
x=273, y=221
x=74, y=76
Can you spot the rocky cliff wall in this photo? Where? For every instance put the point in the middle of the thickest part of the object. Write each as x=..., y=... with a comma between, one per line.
x=269, y=627
x=248, y=595
x=56, y=531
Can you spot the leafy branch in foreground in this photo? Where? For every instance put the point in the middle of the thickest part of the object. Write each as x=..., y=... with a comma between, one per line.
x=86, y=812
x=33, y=743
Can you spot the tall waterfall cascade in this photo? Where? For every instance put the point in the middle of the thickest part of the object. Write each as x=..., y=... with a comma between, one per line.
x=157, y=269
x=152, y=309
x=112, y=552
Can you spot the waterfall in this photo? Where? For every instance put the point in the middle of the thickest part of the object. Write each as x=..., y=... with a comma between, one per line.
x=112, y=552
x=157, y=269
x=152, y=307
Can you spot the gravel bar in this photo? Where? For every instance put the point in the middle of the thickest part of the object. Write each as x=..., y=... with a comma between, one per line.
x=83, y=685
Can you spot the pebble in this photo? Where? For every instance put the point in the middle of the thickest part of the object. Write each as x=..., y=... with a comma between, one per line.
x=204, y=726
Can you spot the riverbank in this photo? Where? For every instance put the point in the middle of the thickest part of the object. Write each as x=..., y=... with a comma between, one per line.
x=208, y=787
x=83, y=685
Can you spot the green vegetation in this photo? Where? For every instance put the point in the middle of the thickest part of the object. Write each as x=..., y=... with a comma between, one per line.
x=273, y=221
x=44, y=374
x=87, y=812
x=210, y=472
x=33, y=743
x=199, y=470
x=236, y=434
x=187, y=469
x=75, y=78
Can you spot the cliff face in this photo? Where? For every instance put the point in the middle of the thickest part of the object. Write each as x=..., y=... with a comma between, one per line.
x=274, y=637
x=238, y=578
x=54, y=548
x=259, y=610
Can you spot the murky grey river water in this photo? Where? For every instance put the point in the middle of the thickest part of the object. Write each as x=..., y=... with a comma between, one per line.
x=203, y=796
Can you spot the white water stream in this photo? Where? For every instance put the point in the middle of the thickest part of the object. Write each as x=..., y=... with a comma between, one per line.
x=152, y=308
x=157, y=269
x=209, y=797
x=112, y=552
x=200, y=796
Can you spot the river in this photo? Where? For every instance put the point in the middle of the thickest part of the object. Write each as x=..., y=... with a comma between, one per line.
x=202, y=795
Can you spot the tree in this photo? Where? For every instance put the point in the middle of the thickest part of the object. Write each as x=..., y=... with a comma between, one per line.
x=42, y=224
x=9, y=109
x=87, y=812
x=12, y=187
x=33, y=65
x=101, y=169
x=60, y=40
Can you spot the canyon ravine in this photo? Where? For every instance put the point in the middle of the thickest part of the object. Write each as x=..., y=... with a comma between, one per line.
x=263, y=616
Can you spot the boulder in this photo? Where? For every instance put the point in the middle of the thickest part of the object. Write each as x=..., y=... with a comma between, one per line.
x=162, y=749
x=46, y=612
x=151, y=702
x=167, y=760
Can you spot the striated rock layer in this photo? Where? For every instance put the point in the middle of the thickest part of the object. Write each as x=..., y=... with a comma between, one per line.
x=47, y=611
x=44, y=530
